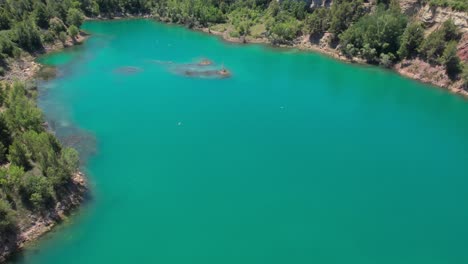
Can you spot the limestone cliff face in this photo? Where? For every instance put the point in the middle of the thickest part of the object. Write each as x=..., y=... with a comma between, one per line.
x=319, y=3
x=433, y=17
x=410, y=7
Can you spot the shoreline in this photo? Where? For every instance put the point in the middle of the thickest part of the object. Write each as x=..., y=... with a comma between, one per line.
x=26, y=69
x=407, y=69
x=44, y=222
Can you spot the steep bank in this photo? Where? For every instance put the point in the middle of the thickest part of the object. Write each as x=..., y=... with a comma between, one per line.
x=431, y=17
x=37, y=224
x=33, y=223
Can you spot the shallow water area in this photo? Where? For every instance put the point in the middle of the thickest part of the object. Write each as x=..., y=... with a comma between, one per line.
x=296, y=158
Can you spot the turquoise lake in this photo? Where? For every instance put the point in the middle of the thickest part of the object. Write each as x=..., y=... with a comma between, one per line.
x=296, y=158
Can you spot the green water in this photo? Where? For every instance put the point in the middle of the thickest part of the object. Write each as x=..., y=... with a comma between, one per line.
x=297, y=158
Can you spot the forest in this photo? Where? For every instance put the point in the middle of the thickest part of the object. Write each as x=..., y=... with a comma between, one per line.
x=377, y=32
x=34, y=167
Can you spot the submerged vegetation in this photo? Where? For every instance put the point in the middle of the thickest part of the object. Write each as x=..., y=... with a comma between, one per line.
x=34, y=167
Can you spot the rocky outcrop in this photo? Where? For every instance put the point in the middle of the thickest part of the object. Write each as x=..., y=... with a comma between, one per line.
x=410, y=7
x=432, y=74
x=433, y=17
x=462, y=48
x=319, y=3
x=38, y=223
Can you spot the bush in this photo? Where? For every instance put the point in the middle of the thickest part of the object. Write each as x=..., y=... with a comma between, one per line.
x=75, y=17
x=27, y=36
x=73, y=31
x=283, y=29
x=319, y=21
x=374, y=34
x=8, y=218
x=36, y=190
x=411, y=40
x=451, y=60
x=433, y=46
x=343, y=13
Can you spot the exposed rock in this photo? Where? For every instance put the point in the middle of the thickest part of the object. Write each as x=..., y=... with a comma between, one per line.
x=463, y=48
x=39, y=223
x=432, y=16
x=326, y=40
x=319, y=3
x=410, y=7
x=427, y=73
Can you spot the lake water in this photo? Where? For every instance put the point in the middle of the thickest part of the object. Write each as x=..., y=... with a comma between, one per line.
x=296, y=158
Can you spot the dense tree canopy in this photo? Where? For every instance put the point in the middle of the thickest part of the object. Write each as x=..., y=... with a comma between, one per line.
x=38, y=166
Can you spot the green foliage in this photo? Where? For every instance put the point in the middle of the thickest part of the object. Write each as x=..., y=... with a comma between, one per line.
x=319, y=21
x=451, y=60
x=6, y=46
x=8, y=219
x=73, y=31
x=189, y=12
x=38, y=167
x=411, y=40
x=451, y=31
x=343, y=13
x=21, y=113
x=36, y=190
x=17, y=154
x=27, y=36
x=464, y=75
x=75, y=17
x=459, y=5
x=41, y=15
x=433, y=46
x=2, y=153
x=374, y=34
x=5, y=22
x=243, y=19
x=284, y=28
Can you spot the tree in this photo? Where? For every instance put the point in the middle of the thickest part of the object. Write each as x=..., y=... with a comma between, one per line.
x=70, y=159
x=2, y=153
x=62, y=37
x=411, y=40
x=451, y=31
x=374, y=34
x=319, y=21
x=75, y=17
x=18, y=155
x=5, y=22
x=41, y=16
x=37, y=190
x=283, y=28
x=433, y=46
x=21, y=113
x=73, y=31
x=464, y=75
x=451, y=60
x=344, y=13
x=27, y=36
x=8, y=219
x=56, y=25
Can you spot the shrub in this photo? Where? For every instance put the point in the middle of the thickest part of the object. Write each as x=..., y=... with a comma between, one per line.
x=451, y=60
x=8, y=218
x=411, y=40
